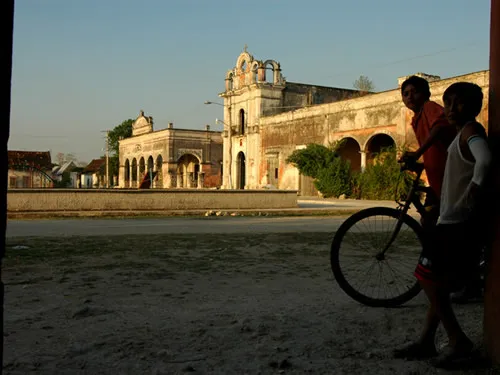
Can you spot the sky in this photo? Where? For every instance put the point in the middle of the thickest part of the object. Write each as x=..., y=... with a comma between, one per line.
x=83, y=66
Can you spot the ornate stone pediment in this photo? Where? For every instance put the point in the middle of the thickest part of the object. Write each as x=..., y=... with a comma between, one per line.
x=142, y=124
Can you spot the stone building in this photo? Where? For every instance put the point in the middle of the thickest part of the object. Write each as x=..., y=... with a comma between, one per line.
x=266, y=118
x=181, y=158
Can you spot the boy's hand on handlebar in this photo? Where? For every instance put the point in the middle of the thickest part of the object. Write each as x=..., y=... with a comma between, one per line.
x=409, y=157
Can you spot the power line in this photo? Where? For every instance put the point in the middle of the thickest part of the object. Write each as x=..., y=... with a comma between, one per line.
x=417, y=57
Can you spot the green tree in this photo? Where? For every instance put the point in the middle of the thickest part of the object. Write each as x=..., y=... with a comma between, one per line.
x=122, y=131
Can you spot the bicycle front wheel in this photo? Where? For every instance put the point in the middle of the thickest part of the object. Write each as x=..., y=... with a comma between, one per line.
x=365, y=273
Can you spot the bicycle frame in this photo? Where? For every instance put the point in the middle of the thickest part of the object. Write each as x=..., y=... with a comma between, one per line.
x=412, y=198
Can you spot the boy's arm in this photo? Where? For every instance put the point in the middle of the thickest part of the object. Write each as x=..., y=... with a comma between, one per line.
x=479, y=149
x=438, y=125
x=434, y=135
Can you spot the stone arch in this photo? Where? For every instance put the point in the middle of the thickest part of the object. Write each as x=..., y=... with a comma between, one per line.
x=142, y=167
x=159, y=170
x=243, y=59
x=377, y=143
x=275, y=68
x=134, y=171
x=188, y=168
x=151, y=163
x=244, y=66
x=241, y=121
x=350, y=149
x=126, y=173
x=240, y=170
x=254, y=69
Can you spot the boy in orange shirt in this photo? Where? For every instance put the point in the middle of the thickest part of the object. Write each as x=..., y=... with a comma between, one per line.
x=433, y=132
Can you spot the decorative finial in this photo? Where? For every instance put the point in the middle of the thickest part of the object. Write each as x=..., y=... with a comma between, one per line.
x=245, y=48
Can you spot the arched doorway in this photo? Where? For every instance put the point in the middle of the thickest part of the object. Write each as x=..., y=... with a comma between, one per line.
x=188, y=167
x=142, y=168
x=126, y=173
x=377, y=144
x=151, y=163
x=159, y=167
x=349, y=149
x=134, y=172
x=240, y=177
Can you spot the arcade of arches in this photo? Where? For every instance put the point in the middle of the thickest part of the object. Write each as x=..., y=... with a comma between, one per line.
x=175, y=158
x=188, y=172
x=349, y=149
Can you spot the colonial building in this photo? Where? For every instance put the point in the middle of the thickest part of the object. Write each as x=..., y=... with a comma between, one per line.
x=177, y=158
x=266, y=118
x=29, y=169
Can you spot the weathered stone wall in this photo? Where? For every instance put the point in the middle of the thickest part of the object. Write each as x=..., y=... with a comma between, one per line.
x=360, y=118
x=38, y=200
x=300, y=94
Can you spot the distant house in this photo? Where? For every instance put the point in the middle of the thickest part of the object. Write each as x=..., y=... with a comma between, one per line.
x=91, y=176
x=66, y=171
x=29, y=169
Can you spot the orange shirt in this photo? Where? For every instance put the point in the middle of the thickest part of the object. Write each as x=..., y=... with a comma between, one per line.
x=431, y=115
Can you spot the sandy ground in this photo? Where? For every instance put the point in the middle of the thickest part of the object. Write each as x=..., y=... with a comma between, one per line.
x=173, y=304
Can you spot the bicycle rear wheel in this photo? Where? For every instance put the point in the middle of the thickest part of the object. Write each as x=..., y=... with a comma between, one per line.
x=354, y=259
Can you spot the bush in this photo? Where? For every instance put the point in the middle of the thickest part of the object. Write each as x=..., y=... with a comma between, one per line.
x=382, y=179
x=330, y=172
x=312, y=159
x=335, y=179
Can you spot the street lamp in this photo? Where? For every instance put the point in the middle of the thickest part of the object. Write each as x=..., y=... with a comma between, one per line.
x=209, y=102
x=230, y=142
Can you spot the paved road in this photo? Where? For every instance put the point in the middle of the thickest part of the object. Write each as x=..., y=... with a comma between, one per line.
x=226, y=224
x=140, y=226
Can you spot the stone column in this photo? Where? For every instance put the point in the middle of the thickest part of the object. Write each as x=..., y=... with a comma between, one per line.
x=201, y=180
x=121, y=176
x=189, y=180
x=170, y=183
x=363, y=160
x=179, y=183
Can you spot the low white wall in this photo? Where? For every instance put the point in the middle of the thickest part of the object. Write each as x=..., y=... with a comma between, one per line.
x=53, y=200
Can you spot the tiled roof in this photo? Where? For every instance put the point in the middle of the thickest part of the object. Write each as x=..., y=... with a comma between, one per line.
x=39, y=159
x=94, y=166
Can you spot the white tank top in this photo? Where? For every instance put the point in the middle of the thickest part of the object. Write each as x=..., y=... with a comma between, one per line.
x=456, y=184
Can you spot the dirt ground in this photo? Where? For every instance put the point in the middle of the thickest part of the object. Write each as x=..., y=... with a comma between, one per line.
x=173, y=304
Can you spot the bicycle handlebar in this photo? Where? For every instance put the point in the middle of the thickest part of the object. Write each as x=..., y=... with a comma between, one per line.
x=409, y=164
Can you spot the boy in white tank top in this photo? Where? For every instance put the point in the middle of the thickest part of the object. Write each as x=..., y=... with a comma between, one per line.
x=452, y=247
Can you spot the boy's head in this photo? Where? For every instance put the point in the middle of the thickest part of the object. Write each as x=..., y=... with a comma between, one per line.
x=415, y=92
x=462, y=102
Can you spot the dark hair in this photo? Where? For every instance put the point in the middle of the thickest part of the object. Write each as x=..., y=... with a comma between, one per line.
x=420, y=84
x=470, y=94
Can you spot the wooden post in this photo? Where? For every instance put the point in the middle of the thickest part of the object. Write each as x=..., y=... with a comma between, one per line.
x=7, y=22
x=492, y=293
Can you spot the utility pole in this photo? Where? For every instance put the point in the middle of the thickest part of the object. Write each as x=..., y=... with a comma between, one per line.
x=107, y=157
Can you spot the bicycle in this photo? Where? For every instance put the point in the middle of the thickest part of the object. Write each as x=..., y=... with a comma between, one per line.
x=408, y=256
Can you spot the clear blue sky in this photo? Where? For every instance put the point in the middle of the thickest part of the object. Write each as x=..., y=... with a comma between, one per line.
x=82, y=66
